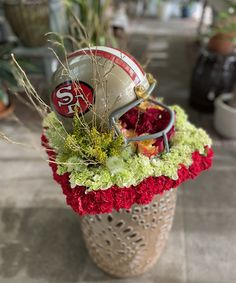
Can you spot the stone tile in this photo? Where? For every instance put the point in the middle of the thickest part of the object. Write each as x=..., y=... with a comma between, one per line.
x=207, y=122
x=112, y=280
x=24, y=169
x=224, y=157
x=158, y=28
x=213, y=190
x=40, y=245
x=157, y=63
x=158, y=45
x=10, y=152
x=29, y=143
x=210, y=245
x=38, y=192
x=157, y=55
x=22, y=278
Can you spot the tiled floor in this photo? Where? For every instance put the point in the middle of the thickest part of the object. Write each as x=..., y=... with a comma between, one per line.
x=40, y=238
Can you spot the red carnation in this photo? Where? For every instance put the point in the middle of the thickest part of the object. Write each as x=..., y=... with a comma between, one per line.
x=89, y=203
x=123, y=197
x=130, y=118
x=104, y=201
x=145, y=192
x=144, y=126
x=44, y=140
x=152, y=121
x=159, y=185
x=194, y=170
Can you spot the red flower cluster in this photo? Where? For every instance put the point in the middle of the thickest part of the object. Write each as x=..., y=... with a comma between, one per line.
x=104, y=201
x=151, y=121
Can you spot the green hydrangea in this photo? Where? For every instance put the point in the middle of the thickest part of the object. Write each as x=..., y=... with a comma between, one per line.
x=55, y=131
x=98, y=178
x=115, y=164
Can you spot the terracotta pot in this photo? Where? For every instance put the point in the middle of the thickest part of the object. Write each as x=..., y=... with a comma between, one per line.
x=222, y=43
x=5, y=110
x=129, y=242
x=29, y=20
x=6, y=107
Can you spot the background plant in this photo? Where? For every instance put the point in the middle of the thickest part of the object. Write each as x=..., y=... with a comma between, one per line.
x=6, y=77
x=226, y=23
x=88, y=23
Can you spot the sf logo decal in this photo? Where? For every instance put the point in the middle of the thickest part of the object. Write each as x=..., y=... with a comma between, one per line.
x=69, y=94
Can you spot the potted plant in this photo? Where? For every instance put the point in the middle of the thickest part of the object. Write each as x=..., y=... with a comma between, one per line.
x=223, y=39
x=225, y=115
x=218, y=63
x=89, y=23
x=29, y=20
x=6, y=80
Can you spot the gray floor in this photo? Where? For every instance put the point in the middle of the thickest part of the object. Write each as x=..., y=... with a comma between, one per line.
x=40, y=238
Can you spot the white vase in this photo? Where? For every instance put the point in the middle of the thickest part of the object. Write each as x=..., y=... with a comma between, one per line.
x=225, y=116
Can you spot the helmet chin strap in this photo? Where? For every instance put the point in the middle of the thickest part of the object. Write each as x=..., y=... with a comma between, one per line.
x=144, y=96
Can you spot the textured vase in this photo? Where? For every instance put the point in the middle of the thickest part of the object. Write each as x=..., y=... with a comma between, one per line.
x=29, y=20
x=129, y=242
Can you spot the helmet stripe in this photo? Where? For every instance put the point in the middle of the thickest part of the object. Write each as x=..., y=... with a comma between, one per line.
x=130, y=60
x=133, y=60
x=127, y=63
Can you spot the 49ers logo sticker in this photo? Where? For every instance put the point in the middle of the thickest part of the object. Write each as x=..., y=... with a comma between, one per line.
x=70, y=94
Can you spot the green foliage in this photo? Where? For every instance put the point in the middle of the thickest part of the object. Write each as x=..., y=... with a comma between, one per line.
x=5, y=64
x=7, y=77
x=56, y=133
x=91, y=144
x=88, y=24
x=225, y=22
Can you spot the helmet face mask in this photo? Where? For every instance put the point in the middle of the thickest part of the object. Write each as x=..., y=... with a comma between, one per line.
x=104, y=83
x=117, y=114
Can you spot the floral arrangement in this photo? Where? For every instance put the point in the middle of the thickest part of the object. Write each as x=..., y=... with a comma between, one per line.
x=111, y=144
x=123, y=147
x=93, y=168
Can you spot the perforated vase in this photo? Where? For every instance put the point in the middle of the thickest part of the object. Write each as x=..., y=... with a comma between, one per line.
x=129, y=242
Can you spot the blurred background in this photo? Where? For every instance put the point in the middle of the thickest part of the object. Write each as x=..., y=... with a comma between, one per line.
x=189, y=47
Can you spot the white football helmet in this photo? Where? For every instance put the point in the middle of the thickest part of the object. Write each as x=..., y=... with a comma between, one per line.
x=104, y=83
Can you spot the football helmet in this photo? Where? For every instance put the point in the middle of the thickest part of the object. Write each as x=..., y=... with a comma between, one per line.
x=104, y=83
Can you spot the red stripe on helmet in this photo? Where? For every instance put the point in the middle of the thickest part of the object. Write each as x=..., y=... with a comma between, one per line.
x=132, y=58
x=109, y=56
